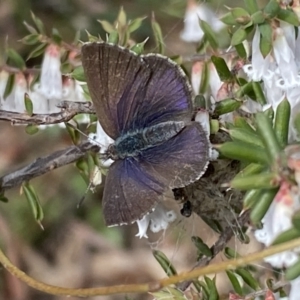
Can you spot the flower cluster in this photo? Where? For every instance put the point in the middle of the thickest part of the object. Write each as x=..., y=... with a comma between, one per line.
x=45, y=94
x=192, y=31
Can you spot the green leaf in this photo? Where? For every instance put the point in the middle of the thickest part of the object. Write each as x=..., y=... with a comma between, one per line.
x=169, y=293
x=235, y=282
x=244, y=152
x=244, y=135
x=40, y=49
x=257, y=181
x=251, y=169
x=259, y=94
x=157, y=36
x=135, y=24
x=209, y=34
x=296, y=220
x=272, y=8
x=222, y=68
x=239, y=36
x=139, y=47
x=238, y=12
x=269, y=113
x=28, y=104
x=248, y=278
x=33, y=201
x=16, y=58
x=30, y=28
x=241, y=51
x=289, y=16
x=268, y=136
x=56, y=37
x=227, y=105
x=241, y=122
x=251, y=6
x=122, y=19
x=78, y=74
x=211, y=285
x=164, y=262
x=251, y=197
x=282, y=121
x=82, y=166
x=230, y=253
x=287, y=236
x=228, y=19
x=214, y=126
x=293, y=272
x=109, y=28
x=31, y=129
x=258, y=17
x=201, y=246
x=113, y=37
x=31, y=39
x=73, y=132
x=9, y=86
x=38, y=23
x=297, y=123
x=262, y=205
x=245, y=89
x=204, y=289
x=266, y=40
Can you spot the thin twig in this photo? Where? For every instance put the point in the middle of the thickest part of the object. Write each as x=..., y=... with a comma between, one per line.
x=69, y=110
x=151, y=286
x=46, y=164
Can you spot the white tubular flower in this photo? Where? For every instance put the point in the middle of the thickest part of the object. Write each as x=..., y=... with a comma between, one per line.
x=295, y=288
x=196, y=76
x=215, y=82
x=277, y=220
x=158, y=220
x=202, y=117
x=19, y=92
x=285, y=59
x=259, y=65
x=103, y=140
x=192, y=31
x=51, y=78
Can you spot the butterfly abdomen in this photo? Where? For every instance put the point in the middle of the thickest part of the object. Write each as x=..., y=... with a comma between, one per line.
x=134, y=142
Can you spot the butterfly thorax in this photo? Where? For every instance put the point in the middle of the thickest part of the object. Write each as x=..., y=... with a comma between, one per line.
x=134, y=142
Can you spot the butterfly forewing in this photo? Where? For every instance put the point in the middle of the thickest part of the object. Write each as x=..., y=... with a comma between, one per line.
x=114, y=77
x=131, y=92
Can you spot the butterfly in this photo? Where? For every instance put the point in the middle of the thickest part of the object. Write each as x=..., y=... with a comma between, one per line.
x=144, y=103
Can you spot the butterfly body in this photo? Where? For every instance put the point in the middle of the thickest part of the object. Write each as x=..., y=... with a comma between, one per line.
x=144, y=104
x=132, y=144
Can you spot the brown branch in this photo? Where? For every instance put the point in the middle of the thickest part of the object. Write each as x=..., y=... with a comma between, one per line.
x=69, y=110
x=46, y=164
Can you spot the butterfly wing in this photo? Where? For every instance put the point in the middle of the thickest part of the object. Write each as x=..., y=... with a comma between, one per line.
x=168, y=93
x=132, y=92
x=114, y=77
x=135, y=185
x=129, y=193
x=180, y=160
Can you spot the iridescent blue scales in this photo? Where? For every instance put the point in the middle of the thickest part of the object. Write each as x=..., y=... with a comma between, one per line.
x=144, y=104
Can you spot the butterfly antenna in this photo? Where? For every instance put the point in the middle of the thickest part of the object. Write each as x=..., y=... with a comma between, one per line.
x=92, y=139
